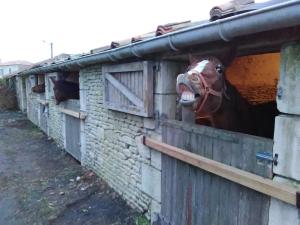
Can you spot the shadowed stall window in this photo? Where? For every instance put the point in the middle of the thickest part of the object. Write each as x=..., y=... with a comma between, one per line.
x=240, y=97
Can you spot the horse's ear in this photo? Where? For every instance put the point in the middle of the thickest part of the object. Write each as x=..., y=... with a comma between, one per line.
x=229, y=55
x=53, y=80
x=193, y=59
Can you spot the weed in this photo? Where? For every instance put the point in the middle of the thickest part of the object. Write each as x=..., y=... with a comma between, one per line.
x=142, y=220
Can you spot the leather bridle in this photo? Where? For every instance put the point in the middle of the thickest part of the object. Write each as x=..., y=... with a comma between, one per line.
x=207, y=91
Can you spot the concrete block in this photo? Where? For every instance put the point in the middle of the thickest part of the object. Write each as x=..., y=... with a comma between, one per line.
x=288, y=95
x=156, y=159
x=144, y=151
x=282, y=213
x=149, y=123
x=287, y=146
x=83, y=100
x=151, y=182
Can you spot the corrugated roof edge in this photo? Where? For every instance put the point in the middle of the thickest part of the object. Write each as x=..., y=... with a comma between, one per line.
x=278, y=16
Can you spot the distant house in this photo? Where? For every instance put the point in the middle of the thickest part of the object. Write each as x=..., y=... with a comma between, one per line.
x=12, y=66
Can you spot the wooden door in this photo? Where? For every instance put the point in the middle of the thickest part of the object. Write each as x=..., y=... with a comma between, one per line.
x=191, y=196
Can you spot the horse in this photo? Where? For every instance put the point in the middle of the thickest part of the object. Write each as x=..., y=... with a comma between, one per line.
x=217, y=103
x=40, y=88
x=64, y=90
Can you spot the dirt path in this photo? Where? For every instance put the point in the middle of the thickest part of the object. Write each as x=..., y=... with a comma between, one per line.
x=40, y=184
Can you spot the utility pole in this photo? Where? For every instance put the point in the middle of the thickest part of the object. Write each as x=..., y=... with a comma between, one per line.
x=51, y=46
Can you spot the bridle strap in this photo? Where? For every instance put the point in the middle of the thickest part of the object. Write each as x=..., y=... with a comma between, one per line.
x=207, y=91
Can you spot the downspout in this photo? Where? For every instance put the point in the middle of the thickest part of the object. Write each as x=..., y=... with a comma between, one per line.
x=278, y=16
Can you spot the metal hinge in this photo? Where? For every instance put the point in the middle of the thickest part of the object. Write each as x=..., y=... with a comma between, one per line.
x=157, y=67
x=267, y=156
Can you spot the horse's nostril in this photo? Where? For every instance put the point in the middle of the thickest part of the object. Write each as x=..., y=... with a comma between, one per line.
x=197, y=95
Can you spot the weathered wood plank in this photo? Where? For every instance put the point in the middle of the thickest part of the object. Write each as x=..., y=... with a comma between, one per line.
x=130, y=88
x=72, y=136
x=204, y=198
x=76, y=114
x=43, y=118
x=148, y=93
x=252, y=181
x=124, y=90
x=128, y=67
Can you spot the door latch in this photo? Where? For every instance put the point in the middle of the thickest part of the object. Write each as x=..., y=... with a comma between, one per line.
x=267, y=156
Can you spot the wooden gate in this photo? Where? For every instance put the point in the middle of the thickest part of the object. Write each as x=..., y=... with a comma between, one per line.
x=43, y=111
x=72, y=130
x=44, y=118
x=191, y=196
x=73, y=137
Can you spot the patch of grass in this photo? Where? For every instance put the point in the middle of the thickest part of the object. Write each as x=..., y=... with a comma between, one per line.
x=142, y=220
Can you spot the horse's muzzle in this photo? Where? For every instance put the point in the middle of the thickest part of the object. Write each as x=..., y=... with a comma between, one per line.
x=185, y=90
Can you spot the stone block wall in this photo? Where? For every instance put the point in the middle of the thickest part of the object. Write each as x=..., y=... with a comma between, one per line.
x=54, y=116
x=33, y=107
x=111, y=141
x=19, y=92
x=114, y=146
x=55, y=123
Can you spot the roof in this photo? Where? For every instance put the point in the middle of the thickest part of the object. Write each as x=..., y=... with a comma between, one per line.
x=10, y=75
x=16, y=62
x=234, y=22
x=235, y=7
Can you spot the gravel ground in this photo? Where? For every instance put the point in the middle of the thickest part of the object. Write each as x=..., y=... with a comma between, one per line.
x=40, y=184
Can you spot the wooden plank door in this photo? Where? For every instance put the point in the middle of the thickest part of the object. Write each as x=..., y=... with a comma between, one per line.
x=129, y=88
x=43, y=118
x=72, y=130
x=73, y=136
x=191, y=196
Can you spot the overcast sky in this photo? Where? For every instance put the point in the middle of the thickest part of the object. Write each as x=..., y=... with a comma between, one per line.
x=76, y=26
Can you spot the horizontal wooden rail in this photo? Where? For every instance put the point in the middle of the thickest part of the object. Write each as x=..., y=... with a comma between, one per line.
x=76, y=114
x=268, y=187
x=42, y=102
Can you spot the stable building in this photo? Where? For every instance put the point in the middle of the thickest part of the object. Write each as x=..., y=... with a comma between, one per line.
x=128, y=106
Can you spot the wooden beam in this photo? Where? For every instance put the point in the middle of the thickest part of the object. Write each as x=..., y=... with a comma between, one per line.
x=266, y=186
x=124, y=90
x=76, y=114
x=128, y=67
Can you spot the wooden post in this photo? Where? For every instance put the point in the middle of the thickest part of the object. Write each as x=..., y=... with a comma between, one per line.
x=188, y=114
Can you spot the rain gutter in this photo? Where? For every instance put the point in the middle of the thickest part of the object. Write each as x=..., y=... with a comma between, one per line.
x=283, y=15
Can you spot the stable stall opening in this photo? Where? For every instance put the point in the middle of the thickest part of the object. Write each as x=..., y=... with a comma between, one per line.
x=39, y=89
x=238, y=98
x=23, y=94
x=66, y=92
x=201, y=197
x=64, y=87
x=38, y=85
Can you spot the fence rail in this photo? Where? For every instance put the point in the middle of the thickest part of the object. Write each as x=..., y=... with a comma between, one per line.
x=266, y=186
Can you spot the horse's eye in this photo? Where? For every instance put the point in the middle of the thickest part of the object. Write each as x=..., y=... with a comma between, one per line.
x=219, y=69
